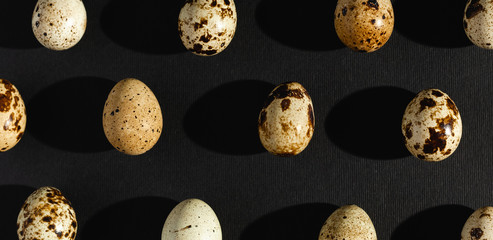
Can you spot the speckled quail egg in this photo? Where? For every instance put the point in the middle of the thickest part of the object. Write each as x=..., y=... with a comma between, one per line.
x=132, y=118
x=59, y=24
x=479, y=226
x=478, y=22
x=286, y=122
x=206, y=27
x=12, y=116
x=190, y=220
x=432, y=125
x=347, y=223
x=364, y=25
x=46, y=215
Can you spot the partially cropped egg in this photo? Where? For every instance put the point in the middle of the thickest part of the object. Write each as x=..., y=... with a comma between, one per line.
x=287, y=121
x=364, y=25
x=59, y=24
x=46, y=215
x=192, y=219
x=132, y=117
x=347, y=223
x=206, y=27
x=478, y=23
x=432, y=125
x=12, y=116
x=479, y=226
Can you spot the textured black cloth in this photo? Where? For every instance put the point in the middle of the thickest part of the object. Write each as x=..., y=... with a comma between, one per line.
x=210, y=149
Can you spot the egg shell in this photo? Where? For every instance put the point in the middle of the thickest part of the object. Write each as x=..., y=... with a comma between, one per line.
x=479, y=226
x=348, y=222
x=59, y=24
x=206, y=27
x=12, y=116
x=478, y=22
x=192, y=219
x=132, y=118
x=46, y=215
x=432, y=125
x=364, y=25
x=287, y=121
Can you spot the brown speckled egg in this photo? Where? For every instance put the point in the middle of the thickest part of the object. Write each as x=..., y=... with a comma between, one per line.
x=432, y=125
x=132, y=118
x=286, y=122
x=12, y=116
x=364, y=25
x=479, y=226
x=347, y=223
x=46, y=215
x=192, y=219
x=206, y=27
x=478, y=22
x=59, y=24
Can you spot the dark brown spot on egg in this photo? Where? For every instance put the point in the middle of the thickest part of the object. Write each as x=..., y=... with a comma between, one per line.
x=74, y=224
x=37, y=23
x=283, y=91
x=448, y=152
x=416, y=146
x=373, y=4
x=8, y=123
x=285, y=127
x=474, y=9
x=436, y=93
x=58, y=234
x=476, y=233
x=427, y=102
x=19, y=136
x=285, y=104
x=409, y=133
x=37, y=8
x=262, y=118
x=383, y=16
x=214, y=3
x=311, y=116
x=46, y=219
x=205, y=38
x=73, y=235
x=373, y=21
x=451, y=106
x=484, y=215
x=344, y=11
x=226, y=2
x=6, y=98
x=437, y=140
x=421, y=157
x=51, y=227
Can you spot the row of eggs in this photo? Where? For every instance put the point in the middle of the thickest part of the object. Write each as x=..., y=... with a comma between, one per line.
x=133, y=121
x=206, y=27
x=47, y=214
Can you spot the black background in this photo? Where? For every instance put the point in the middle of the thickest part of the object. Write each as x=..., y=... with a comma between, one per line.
x=209, y=148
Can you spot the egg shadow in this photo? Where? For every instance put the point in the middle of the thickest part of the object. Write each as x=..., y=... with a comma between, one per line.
x=367, y=123
x=301, y=25
x=442, y=222
x=13, y=196
x=436, y=23
x=68, y=115
x=225, y=119
x=291, y=223
x=149, y=26
x=139, y=218
x=15, y=18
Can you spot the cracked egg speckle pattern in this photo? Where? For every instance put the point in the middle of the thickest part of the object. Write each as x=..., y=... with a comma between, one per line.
x=287, y=121
x=206, y=27
x=346, y=223
x=479, y=226
x=364, y=25
x=46, y=215
x=190, y=220
x=132, y=117
x=12, y=116
x=432, y=125
x=59, y=24
x=478, y=22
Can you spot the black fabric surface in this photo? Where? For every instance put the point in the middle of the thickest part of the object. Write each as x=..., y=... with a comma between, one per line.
x=209, y=148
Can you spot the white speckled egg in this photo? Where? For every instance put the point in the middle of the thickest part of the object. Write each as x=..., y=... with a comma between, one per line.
x=192, y=219
x=478, y=22
x=348, y=223
x=59, y=24
x=132, y=118
x=206, y=27
x=479, y=226
x=286, y=122
x=364, y=25
x=432, y=125
x=12, y=115
x=46, y=215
